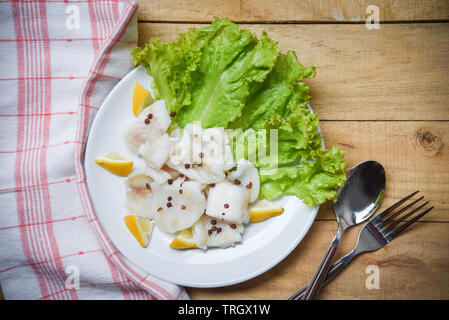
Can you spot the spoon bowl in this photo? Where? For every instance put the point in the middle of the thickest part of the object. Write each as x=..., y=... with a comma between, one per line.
x=361, y=194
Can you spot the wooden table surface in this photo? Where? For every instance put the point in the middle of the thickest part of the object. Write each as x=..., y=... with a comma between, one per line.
x=381, y=95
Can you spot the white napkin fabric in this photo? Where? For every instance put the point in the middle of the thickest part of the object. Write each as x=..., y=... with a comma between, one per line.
x=59, y=60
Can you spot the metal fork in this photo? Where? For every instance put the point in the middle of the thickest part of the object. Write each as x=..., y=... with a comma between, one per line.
x=376, y=234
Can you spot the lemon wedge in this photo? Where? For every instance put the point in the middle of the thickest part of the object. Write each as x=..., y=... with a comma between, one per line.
x=263, y=210
x=115, y=163
x=184, y=240
x=141, y=99
x=140, y=228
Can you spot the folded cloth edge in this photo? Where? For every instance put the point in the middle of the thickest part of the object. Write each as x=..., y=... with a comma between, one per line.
x=158, y=288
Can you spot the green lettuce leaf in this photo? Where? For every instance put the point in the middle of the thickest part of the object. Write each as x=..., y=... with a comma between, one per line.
x=281, y=93
x=230, y=64
x=171, y=65
x=315, y=181
x=280, y=102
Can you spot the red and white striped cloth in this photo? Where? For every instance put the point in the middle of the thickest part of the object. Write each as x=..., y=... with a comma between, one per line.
x=55, y=71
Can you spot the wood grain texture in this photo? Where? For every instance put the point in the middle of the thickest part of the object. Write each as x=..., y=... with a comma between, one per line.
x=413, y=266
x=415, y=155
x=290, y=10
x=399, y=72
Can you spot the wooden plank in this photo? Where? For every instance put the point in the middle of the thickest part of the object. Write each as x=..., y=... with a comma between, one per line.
x=413, y=266
x=399, y=72
x=290, y=11
x=415, y=155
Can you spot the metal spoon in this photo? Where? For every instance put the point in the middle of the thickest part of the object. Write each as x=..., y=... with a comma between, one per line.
x=357, y=200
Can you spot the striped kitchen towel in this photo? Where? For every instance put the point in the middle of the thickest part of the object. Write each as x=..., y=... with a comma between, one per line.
x=59, y=59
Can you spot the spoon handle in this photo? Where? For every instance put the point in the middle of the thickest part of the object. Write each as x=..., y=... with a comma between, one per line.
x=320, y=274
x=334, y=270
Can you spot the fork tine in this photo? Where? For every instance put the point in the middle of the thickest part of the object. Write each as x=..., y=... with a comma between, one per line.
x=399, y=230
x=406, y=225
x=390, y=209
x=391, y=225
x=390, y=218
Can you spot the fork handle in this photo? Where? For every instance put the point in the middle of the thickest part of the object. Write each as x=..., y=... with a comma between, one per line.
x=333, y=271
x=317, y=281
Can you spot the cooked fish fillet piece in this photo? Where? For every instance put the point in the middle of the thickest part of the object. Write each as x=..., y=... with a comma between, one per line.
x=210, y=232
x=248, y=177
x=202, y=154
x=156, y=152
x=228, y=202
x=138, y=202
x=138, y=190
x=173, y=173
x=150, y=124
x=140, y=177
x=178, y=205
x=217, y=150
x=186, y=158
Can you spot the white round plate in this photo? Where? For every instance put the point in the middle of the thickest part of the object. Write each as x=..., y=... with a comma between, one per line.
x=263, y=245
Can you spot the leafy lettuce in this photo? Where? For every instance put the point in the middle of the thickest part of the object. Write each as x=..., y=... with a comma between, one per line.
x=281, y=103
x=315, y=181
x=223, y=76
x=171, y=65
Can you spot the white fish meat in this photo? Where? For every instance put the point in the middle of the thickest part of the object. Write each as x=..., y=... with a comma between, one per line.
x=248, y=176
x=156, y=152
x=142, y=128
x=209, y=232
x=178, y=205
x=138, y=190
x=202, y=154
x=228, y=203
